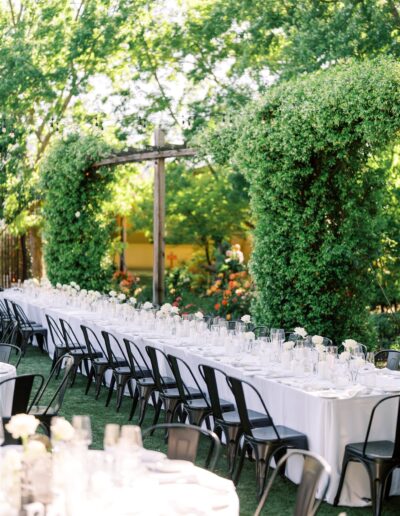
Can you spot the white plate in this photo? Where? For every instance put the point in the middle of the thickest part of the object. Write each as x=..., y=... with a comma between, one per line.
x=170, y=466
x=150, y=456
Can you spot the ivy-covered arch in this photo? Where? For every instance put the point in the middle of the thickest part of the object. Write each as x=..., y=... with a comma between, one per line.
x=307, y=149
x=77, y=235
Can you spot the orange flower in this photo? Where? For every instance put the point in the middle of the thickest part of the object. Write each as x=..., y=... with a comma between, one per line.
x=224, y=302
x=217, y=306
x=227, y=293
x=232, y=276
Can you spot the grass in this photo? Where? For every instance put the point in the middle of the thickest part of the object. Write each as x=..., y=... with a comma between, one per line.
x=281, y=500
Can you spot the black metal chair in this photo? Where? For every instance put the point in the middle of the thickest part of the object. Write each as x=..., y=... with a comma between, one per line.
x=24, y=385
x=315, y=468
x=6, y=351
x=29, y=329
x=183, y=441
x=266, y=442
x=379, y=458
x=51, y=407
x=199, y=408
x=57, y=338
x=227, y=422
x=145, y=385
x=76, y=349
x=168, y=393
x=122, y=374
x=389, y=358
x=98, y=364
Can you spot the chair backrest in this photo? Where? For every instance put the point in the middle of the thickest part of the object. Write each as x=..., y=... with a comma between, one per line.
x=3, y=309
x=209, y=375
x=56, y=333
x=9, y=332
x=71, y=340
x=5, y=354
x=236, y=387
x=115, y=350
x=9, y=308
x=183, y=441
x=23, y=387
x=315, y=468
x=389, y=358
x=176, y=365
x=396, y=448
x=57, y=398
x=20, y=315
x=154, y=354
x=133, y=353
x=92, y=342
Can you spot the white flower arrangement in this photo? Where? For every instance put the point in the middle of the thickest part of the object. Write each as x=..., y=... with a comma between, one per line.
x=147, y=305
x=320, y=348
x=59, y=286
x=344, y=356
x=166, y=308
x=62, y=430
x=112, y=293
x=301, y=332
x=132, y=301
x=350, y=344
x=174, y=310
x=317, y=340
x=246, y=319
x=288, y=345
x=121, y=297
x=249, y=335
x=21, y=426
x=199, y=316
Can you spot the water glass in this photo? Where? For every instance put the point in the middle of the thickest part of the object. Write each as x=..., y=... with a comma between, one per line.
x=371, y=358
x=111, y=436
x=83, y=429
x=131, y=435
x=1, y=432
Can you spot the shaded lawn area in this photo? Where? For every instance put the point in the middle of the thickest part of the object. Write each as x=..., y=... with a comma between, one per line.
x=281, y=500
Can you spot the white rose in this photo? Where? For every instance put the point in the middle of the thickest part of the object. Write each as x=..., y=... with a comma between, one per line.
x=35, y=449
x=112, y=293
x=287, y=346
x=132, y=300
x=77, y=214
x=344, y=356
x=177, y=318
x=301, y=332
x=246, y=319
x=121, y=297
x=59, y=286
x=175, y=310
x=350, y=344
x=317, y=339
x=61, y=429
x=249, y=335
x=84, y=292
x=22, y=425
x=166, y=308
x=147, y=305
x=199, y=315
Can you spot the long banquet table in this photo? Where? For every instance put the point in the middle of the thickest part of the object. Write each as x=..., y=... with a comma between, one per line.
x=329, y=423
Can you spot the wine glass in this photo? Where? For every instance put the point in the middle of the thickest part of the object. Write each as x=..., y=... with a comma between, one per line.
x=111, y=436
x=83, y=429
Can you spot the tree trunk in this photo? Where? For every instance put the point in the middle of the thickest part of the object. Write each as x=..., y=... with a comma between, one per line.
x=35, y=247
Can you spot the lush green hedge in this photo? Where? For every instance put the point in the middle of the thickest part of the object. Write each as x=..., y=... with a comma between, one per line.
x=77, y=235
x=306, y=149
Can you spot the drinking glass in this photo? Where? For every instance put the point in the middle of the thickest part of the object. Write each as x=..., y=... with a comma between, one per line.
x=111, y=436
x=371, y=358
x=1, y=432
x=83, y=429
x=131, y=435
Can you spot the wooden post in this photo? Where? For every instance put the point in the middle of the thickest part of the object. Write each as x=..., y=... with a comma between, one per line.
x=159, y=222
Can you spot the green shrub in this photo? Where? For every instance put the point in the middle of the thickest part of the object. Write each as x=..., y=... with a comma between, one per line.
x=77, y=235
x=306, y=149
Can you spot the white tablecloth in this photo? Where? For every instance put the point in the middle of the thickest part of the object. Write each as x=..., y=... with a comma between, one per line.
x=328, y=423
x=6, y=390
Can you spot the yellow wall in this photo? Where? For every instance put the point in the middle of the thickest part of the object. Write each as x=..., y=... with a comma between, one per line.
x=139, y=252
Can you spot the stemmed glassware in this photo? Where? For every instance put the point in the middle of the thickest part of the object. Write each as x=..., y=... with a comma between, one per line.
x=83, y=429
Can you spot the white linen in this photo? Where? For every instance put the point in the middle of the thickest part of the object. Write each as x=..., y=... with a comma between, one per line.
x=329, y=423
x=7, y=389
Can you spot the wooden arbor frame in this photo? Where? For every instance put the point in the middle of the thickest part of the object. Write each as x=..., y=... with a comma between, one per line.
x=158, y=153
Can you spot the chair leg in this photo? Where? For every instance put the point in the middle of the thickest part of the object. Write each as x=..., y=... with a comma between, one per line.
x=239, y=467
x=345, y=463
x=134, y=403
x=90, y=378
x=120, y=391
x=144, y=395
x=110, y=390
x=157, y=411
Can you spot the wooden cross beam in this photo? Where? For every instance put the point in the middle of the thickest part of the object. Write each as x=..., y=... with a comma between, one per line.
x=159, y=153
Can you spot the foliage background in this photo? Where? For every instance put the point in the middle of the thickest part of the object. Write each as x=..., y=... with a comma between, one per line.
x=317, y=193
x=78, y=233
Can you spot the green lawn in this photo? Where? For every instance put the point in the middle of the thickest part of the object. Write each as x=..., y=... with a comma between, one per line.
x=280, y=502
